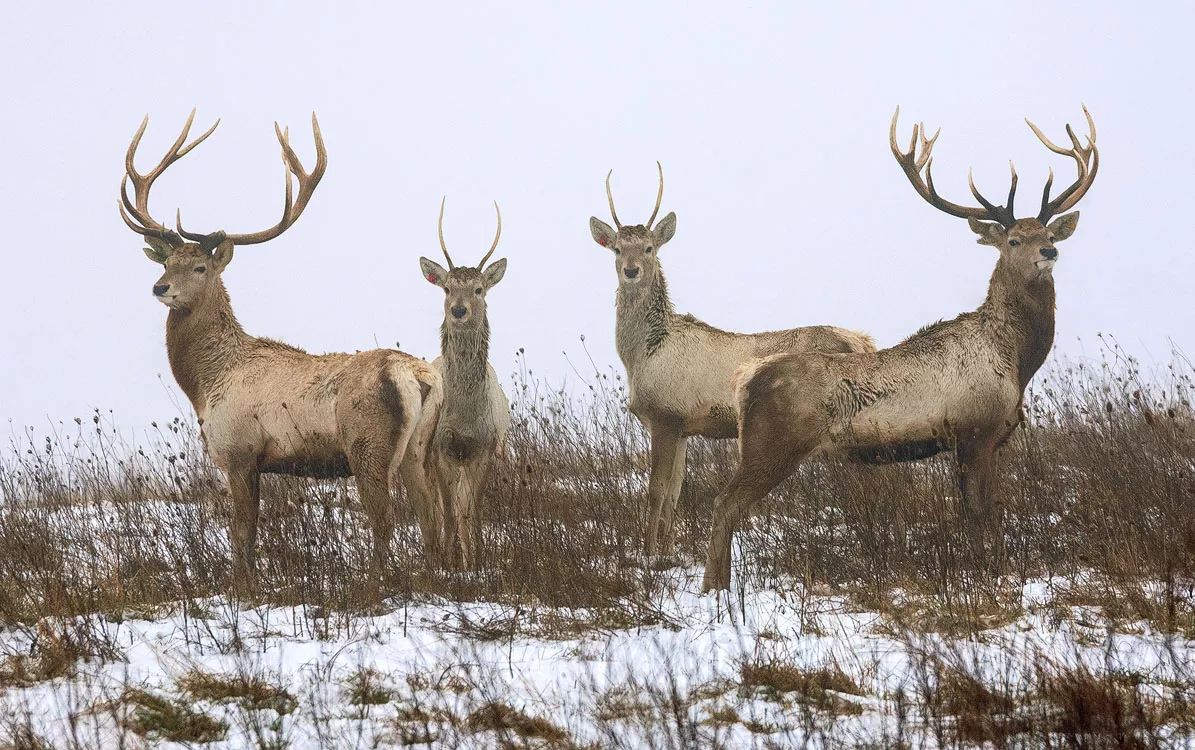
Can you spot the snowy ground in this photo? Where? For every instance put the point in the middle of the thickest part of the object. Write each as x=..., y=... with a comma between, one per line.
x=433, y=671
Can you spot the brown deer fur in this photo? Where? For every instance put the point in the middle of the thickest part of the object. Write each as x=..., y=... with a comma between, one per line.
x=476, y=415
x=954, y=385
x=679, y=369
x=267, y=407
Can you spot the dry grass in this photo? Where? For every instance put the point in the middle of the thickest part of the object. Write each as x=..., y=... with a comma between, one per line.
x=1098, y=487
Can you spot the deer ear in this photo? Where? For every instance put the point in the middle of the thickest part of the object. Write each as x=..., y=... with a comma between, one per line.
x=1064, y=226
x=603, y=233
x=665, y=229
x=990, y=233
x=157, y=256
x=494, y=273
x=222, y=255
x=158, y=250
x=432, y=271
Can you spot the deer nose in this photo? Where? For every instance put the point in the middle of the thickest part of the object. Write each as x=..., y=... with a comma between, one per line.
x=160, y=289
x=459, y=312
x=631, y=272
x=1049, y=253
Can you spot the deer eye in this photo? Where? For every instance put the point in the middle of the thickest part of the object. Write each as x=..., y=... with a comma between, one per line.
x=477, y=290
x=617, y=251
x=1014, y=243
x=200, y=269
x=647, y=251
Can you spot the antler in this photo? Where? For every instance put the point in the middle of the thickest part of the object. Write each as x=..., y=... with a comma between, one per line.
x=659, y=199
x=444, y=246
x=912, y=164
x=136, y=213
x=1087, y=159
x=610, y=200
x=440, y=230
x=497, y=236
x=292, y=207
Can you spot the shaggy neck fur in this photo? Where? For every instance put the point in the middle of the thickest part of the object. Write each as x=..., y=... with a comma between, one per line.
x=643, y=318
x=466, y=351
x=203, y=343
x=1021, y=314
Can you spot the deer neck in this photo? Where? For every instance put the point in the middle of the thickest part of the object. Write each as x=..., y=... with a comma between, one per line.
x=643, y=316
x=466, y=352
x=1020, y=314
x=202, y=344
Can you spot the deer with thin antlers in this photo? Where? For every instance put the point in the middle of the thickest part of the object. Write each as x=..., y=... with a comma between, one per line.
x=476, y=414
x=267, y=407
x=679, y=369
x=954, y=385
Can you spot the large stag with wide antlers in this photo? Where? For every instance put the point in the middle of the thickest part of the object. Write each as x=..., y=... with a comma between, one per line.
x=954, y=385
x=680, y=370
x=266, y=407
x=476, y=414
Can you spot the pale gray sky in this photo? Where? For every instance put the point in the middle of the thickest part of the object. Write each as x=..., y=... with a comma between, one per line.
x=771, y=121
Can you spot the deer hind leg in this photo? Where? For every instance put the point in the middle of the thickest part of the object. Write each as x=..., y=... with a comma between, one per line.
x=665, y=440
x=771, y=448
x=244, y=484
x=371, y=447
x=424, y=496
x=676, y=478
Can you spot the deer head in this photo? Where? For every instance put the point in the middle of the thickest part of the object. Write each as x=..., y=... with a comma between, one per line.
x=464, y=287
x=1026, y=245
x=194, y=261
x=636, y=246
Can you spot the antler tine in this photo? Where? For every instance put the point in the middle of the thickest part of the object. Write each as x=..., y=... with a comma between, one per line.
x=138, y=208
x=1087, y=162
x=610, y=200
x=659, y=197
x=912, y=164
x=440, y=230
x=293, y=205
x=497, y=236
x=1012, y=189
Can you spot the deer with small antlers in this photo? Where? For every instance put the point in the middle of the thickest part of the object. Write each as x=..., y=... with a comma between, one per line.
x=476, y=414
x=679, y=369
x=954, y=385
x=266, y=407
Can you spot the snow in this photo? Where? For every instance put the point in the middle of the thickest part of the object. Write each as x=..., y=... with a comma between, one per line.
x=425, y=654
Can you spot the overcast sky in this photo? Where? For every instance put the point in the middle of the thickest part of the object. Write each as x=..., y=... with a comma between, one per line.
x=771, y=122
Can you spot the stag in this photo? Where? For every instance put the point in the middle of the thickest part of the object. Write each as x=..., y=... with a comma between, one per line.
x=267, y=407
x=954, y=385
x=476, y=414
x=679, y=369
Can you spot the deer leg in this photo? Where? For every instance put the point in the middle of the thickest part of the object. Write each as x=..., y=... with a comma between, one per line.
x=664, y=441
x=376, y=499
x=423, y=494
x=676, y=478
x=244, y=484
x=980, y=510
x=477, y=475
x=451, y=480
x=771, y=449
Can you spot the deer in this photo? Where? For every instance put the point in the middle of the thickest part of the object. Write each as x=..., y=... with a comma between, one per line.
x=475, y=417
x=265, y=407
x=680, y=370
x=955, y=385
